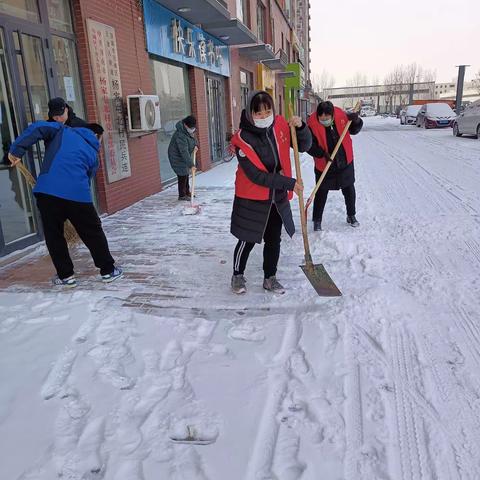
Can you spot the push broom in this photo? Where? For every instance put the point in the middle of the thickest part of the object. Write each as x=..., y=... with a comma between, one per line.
x=194, y=208
x=70, y=234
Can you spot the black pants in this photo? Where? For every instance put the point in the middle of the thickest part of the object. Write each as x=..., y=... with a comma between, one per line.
x=183, y=186
x=83, y=216
x=321, y=199
x=271, y=249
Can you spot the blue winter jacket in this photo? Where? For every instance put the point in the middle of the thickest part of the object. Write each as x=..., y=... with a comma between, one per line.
x=70, y=160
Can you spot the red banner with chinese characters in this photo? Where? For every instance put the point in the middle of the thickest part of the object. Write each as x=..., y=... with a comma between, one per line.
x=108, y=91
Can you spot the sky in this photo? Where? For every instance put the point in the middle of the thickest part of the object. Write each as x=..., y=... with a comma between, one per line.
x=374, y=36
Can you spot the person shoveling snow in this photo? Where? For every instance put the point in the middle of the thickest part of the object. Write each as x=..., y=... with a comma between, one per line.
x=180, y=154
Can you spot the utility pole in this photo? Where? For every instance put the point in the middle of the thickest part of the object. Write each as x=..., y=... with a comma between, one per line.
x=461, y=79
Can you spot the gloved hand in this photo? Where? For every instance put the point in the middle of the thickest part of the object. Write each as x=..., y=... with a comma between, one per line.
x=327, y=157
x=352, y=116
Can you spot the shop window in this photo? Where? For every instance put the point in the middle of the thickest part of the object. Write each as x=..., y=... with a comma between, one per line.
x=172, y=87
x=59, y=15
x=26, y=9
x=68, y=77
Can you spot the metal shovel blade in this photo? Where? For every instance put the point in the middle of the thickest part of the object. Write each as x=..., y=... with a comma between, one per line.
x=321, y=280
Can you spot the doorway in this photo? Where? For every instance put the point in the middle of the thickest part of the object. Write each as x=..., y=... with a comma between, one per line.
x=216, y=116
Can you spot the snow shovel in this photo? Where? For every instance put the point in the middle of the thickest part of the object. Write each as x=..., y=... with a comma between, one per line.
x=192, y=438
x=193, y=209
x=329, y=163
x=316, y=274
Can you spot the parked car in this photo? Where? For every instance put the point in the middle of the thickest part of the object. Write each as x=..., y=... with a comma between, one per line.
x=468, y=122
x=409, y=115
x=367, y=111
x=435, y=115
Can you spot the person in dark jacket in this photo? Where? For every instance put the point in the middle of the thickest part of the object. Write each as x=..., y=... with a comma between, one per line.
x=60, y=111
x=63, y=193
x=180, y=154
x=327, y=125
x=263, y=187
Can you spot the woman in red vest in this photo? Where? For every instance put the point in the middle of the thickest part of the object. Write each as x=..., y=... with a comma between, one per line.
x=263, y=186
x=327, y=125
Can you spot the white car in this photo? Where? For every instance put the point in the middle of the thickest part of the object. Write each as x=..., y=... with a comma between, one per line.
x=409, y=115
x=367, y=112
x=468, y=122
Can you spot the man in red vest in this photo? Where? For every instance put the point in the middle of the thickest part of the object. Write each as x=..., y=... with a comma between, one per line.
x=327, y=125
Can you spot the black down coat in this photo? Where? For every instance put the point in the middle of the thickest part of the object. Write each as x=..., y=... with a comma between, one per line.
x=340, y=175
x=249, y=217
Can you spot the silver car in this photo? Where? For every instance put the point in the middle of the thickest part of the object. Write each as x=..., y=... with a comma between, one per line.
x=409, y=115
x=468, y=122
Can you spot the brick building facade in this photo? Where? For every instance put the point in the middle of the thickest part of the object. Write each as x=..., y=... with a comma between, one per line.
x=47, y=50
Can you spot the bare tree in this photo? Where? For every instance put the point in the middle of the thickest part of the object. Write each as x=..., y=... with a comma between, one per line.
x=358, y=80
x=323, y=82
x=476, y=82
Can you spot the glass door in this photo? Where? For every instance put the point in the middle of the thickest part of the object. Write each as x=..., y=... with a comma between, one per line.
x=215, y=99
x=17, y=217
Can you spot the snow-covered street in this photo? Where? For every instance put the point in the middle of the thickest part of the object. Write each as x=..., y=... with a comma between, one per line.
x=380, y=384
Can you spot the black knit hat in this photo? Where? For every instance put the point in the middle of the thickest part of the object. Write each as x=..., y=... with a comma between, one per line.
x=56, y=107
x=190, y=121
x=96, y=128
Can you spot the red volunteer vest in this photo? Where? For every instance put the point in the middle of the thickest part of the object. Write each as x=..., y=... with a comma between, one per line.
x=245, y=188
x=341, y=120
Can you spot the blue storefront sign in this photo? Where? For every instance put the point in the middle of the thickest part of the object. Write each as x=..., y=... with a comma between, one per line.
x=171, y=36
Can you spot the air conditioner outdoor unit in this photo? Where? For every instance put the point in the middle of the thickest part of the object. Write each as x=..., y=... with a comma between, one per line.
x=143, y=113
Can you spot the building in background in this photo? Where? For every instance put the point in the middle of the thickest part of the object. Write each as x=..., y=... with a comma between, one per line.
x=448, y=91
x=383, y=98
x=200, y=57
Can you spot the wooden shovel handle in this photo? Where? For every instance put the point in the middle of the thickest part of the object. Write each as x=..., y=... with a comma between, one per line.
x=298, y=173
x=192, y=190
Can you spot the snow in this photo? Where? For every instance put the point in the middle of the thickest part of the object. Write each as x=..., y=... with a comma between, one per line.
x=382, y=383
x=412, y=110
x=440, y=110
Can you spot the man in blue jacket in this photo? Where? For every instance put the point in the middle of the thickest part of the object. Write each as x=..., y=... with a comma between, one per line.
x=63, y=193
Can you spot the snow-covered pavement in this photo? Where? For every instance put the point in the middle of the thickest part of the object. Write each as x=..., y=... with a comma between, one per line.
x=380, y=384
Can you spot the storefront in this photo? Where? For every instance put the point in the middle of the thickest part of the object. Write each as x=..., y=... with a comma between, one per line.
x=38, y=60
x=190, y=69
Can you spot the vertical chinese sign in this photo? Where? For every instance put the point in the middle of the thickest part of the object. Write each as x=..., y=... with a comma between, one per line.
x=108, y=91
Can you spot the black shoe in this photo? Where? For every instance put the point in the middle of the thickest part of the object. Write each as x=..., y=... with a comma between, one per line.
x=352, y=221
x=317, y=225
x=184, y=198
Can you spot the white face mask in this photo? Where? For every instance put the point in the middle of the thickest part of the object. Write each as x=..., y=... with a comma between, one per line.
x=191, y=130
x=263, y=122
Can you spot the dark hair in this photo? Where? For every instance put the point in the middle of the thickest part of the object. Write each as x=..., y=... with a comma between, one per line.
x=261, y=101
x=96, y=128
x=190, y=121
x=326, y=108
x=56, y=107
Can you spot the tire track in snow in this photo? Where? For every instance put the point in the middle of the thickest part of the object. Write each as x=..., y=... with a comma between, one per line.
x=457, y=414
x=353, y=407
x=409, y=426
